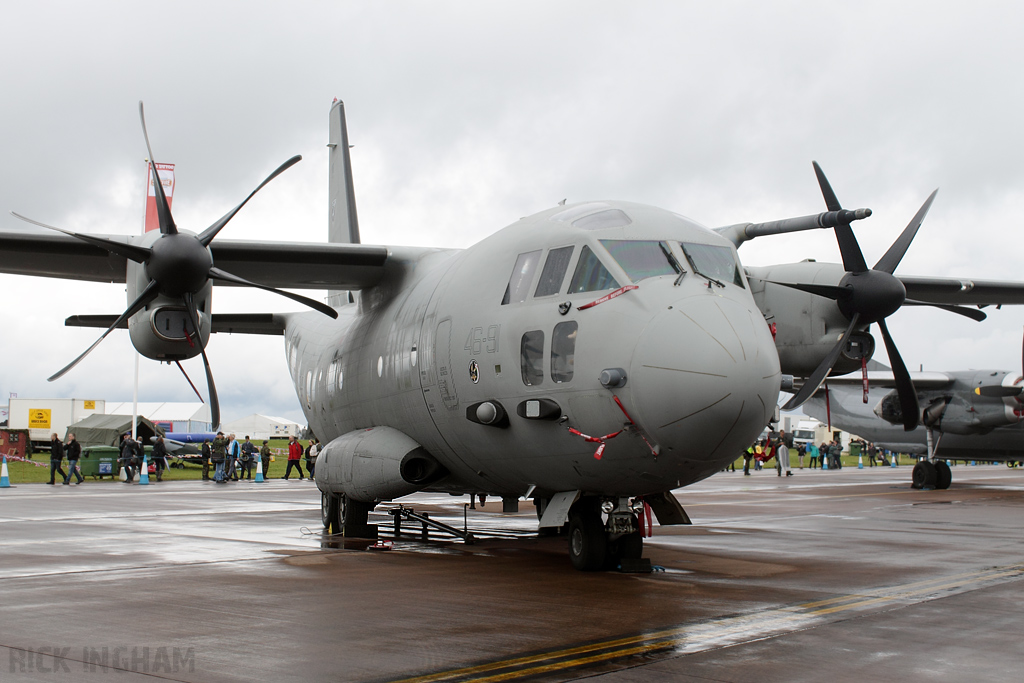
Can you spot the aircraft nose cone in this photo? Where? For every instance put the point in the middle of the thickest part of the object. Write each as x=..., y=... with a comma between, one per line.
x=705, y=377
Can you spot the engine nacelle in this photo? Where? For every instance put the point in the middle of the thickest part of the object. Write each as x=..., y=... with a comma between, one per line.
x=371, y=465
x=162, y=330
x=807, y=326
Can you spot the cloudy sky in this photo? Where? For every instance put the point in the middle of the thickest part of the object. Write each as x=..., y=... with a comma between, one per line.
x=467, y=116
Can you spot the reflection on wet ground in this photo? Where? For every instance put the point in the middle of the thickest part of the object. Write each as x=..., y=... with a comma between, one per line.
x=772, y=574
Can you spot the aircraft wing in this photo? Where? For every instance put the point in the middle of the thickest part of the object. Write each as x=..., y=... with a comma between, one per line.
x=290, y=265
x=963, y=292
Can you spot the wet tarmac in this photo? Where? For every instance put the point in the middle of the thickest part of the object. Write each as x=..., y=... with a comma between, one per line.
x=847, y=575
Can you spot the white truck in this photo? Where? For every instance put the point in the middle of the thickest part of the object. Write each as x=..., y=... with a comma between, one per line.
x=44, y=416
x=810, y=431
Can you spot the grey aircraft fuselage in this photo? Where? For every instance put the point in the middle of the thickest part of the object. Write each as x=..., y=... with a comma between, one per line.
x=973, y=427
x=434, y=338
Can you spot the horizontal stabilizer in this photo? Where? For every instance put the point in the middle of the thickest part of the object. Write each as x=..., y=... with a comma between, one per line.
x=232, y=323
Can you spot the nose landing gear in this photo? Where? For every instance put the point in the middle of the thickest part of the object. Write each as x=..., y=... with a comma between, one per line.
x=596, y=544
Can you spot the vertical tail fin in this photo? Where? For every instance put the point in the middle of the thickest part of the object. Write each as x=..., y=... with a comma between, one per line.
x=342, y=222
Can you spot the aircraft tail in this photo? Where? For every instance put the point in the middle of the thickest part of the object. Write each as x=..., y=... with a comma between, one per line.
x=342, y=221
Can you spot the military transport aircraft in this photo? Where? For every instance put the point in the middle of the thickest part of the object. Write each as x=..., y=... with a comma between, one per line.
x=967, y=415
x=590, y=357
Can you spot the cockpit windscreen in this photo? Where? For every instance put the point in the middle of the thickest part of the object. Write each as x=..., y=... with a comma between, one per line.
x=642, y=258
x=713, y=262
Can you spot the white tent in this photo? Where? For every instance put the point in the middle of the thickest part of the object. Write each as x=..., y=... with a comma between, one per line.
x=260, y=427
x=173, y=417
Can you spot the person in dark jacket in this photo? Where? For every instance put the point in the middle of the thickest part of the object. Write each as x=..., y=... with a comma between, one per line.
x=56, y=455
x=160, y=457
x=128, y=458
x=73, y=451
x=220, y=446
x=206, y=459
x=247, y=458
x=265, y=458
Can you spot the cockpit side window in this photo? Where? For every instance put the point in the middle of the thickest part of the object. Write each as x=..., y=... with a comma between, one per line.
x=591, y=275
x=522, y=275
x=553, y=274
x=563, y=351
x=531, y=353
x=710, y=261
x=642, y=258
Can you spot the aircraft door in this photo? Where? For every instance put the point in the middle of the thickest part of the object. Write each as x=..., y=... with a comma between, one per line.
x=443, y=364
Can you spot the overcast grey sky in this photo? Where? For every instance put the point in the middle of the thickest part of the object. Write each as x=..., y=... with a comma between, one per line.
x=466, y=116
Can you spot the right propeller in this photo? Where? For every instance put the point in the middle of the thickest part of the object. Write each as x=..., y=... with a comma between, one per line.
x=178, y=266
x=867, y=295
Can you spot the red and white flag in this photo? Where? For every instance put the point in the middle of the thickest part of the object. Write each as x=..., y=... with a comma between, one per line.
x=166, y=173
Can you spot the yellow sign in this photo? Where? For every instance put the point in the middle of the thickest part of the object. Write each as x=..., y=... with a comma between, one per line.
x=90, y=405
x=38, y=418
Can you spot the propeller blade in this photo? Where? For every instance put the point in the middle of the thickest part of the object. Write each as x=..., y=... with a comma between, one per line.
x=904, y=386
x=163, y=209
x=827, y=291
x=998, y=391
x=207, y=236
x=218, y=274
x=129, y=251
x=193, y=314
x=971, y=313
x=853, y=258
x=148, y=294
x=894, y=255
x=818, y=376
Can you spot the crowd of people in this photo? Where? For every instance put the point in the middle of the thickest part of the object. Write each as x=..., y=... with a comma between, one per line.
x=826, y=456
x=231, y=459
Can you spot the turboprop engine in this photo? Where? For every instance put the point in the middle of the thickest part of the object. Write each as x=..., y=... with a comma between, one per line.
x=375, y=464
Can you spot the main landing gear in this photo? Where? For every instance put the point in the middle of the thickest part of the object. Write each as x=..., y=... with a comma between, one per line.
x=931, y=473
x=340, y=515
x=596, y=544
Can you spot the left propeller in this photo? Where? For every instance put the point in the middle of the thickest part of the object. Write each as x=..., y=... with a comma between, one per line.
x=865, y=295
x=178, y=265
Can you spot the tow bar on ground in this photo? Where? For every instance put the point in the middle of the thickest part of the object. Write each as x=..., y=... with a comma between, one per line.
x=401, y=512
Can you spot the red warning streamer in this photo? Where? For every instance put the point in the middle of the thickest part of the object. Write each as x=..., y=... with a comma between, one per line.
x=608, y=297
x=864, y=376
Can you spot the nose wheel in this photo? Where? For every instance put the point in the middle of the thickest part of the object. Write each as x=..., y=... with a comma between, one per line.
x=592, y=547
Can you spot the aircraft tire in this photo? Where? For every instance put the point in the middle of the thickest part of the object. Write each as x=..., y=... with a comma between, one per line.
x=588, y=542
x=943, y=475
x=924, y=475
x=353, y=516
x=330, y=511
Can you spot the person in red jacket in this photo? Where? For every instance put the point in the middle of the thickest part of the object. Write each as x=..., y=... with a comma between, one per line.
x=294, y=453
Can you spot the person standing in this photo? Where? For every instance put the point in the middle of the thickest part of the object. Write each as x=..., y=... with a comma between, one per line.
x=294, y=458
x=782, y=453
x=812, y=451
x=160, y=457
x=206, y=459
x=231, y=460
x=73, y=451
x=872, y=455
x=128, y=458
x=747, y=455
x=314, y=450
x=219, y=454
x=265, y=459
x=248, y=458
x=56, y=455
